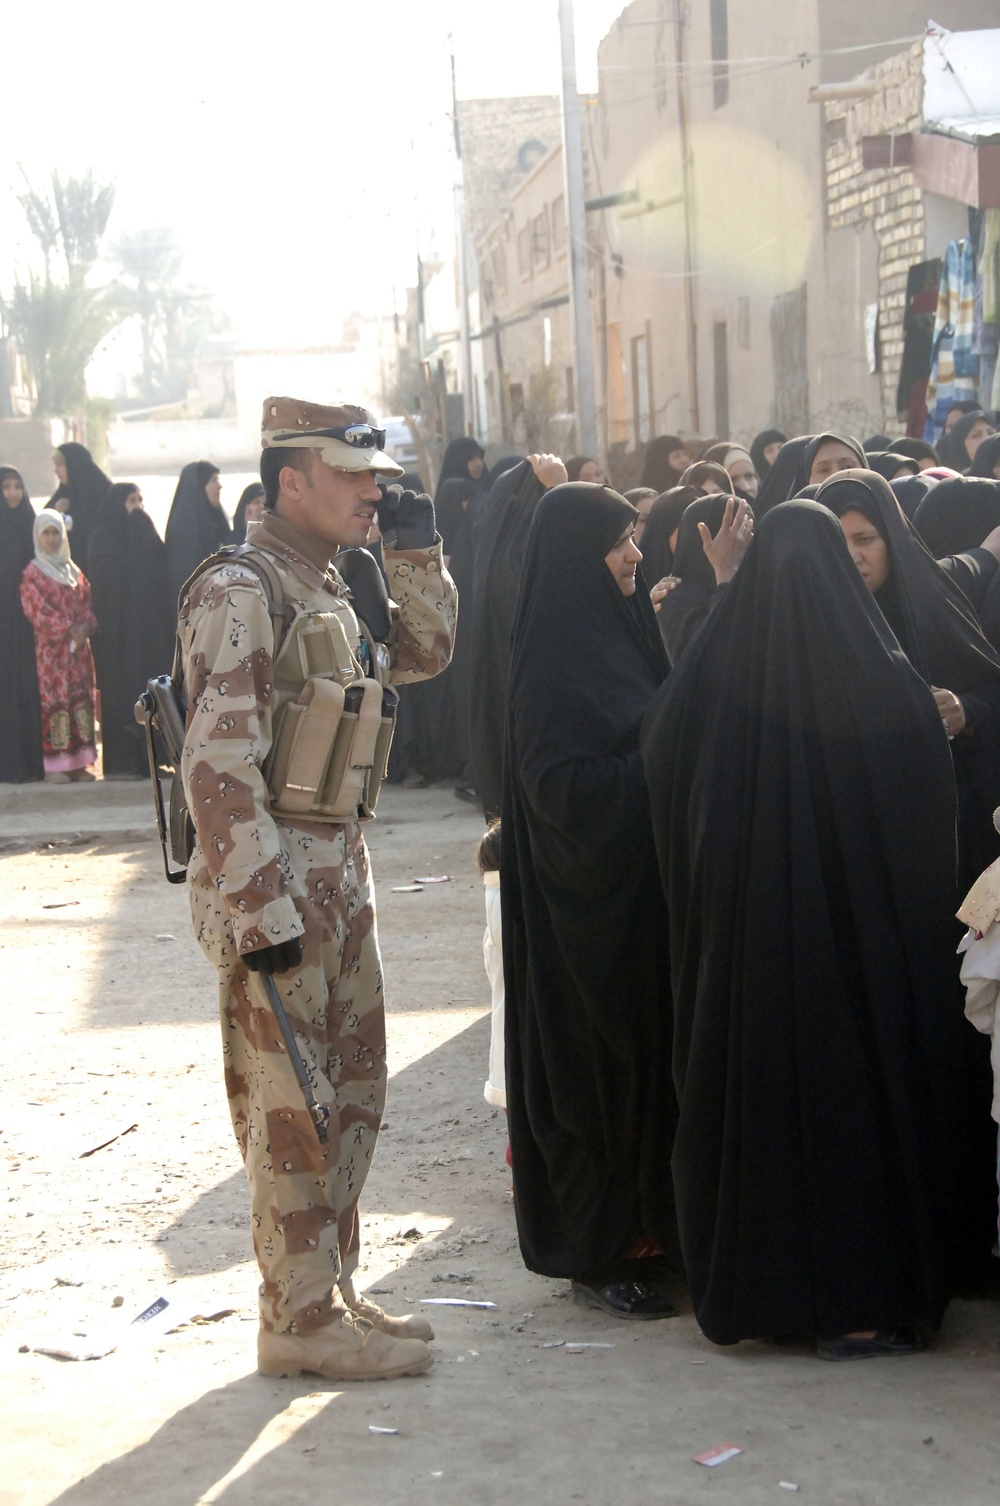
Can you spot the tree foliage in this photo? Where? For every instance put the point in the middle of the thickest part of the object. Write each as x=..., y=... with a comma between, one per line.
x=175, y=318
x=59, y=317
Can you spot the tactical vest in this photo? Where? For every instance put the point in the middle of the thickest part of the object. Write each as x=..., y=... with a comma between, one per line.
x=333, y=711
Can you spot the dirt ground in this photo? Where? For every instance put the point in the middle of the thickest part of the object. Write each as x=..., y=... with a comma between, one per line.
x=110, y=1030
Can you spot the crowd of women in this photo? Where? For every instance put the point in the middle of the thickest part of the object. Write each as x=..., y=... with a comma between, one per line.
x=740, y=806
x=88, y=593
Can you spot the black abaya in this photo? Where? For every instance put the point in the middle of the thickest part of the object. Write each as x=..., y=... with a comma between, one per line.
x=763, y=442
x=940, y=634
x=804, y=811
x=20, y=722
x=584, y=929
x=195, y=528
x=500, y=531
x=81, y=496
x=792, y=467
x=136, y=627
x=687, y=606
x=663, y=522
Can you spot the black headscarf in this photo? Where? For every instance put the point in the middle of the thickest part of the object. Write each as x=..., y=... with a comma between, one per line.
x=938, y=630
x=576, y=463
x=82, y=493
x=958, y=514
x=792, y=467
x=987, y=458
x=411, y=481
x=804, y=815
x=763, y=441
x=586, y=971
x=686, y=607
x=951, y=446
x=136, y=622
x=888, y=464
x=20, y=724
x=248, y=494
x=455, y=465
x=915, y=449
x=501, y=539
x=195, y=529
x=664, y=518
x=876, y=444
x=708, y=470
x=657, y=471
x=910, y=491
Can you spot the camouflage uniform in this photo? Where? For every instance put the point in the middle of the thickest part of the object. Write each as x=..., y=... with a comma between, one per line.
x=256, y=880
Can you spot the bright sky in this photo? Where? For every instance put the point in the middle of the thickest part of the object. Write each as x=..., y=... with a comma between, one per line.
x=301, y=152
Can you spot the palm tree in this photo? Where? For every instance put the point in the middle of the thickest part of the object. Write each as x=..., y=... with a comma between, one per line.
x=59, y=317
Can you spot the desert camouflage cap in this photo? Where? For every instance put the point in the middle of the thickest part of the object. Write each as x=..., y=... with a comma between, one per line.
x=345, y=435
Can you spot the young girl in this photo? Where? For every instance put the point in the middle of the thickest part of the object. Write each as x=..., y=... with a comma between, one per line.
x=55, y=595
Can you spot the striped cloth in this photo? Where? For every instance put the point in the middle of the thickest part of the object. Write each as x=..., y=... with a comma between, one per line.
x=954, y=366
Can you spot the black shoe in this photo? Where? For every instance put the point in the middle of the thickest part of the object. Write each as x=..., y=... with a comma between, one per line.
x=623, y=1298
x=893, y=1341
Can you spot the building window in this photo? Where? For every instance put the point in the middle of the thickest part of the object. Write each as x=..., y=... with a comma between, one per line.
x=640, y=389
x=498, y=262
x=720, y=333
x=524, y=251
x=559, y=224
x=540, y=253
x=718, y=11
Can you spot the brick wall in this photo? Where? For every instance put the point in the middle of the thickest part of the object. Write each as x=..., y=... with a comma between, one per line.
x=887, y=197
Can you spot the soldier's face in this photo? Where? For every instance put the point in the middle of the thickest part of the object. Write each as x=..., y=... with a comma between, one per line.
x=333, y=505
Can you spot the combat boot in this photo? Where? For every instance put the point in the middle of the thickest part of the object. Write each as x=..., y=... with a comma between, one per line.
x=350, y=1349
x=413, y=1326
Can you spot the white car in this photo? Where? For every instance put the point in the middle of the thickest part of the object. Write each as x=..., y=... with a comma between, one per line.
x=399, y=443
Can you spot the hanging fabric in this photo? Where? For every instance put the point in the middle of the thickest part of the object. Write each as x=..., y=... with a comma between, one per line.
x=954, y=367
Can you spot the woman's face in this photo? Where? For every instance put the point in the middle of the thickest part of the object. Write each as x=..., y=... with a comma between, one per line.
x=59, y=466
x=831, y=457
x=678, y=461
x=771, y=451
x=133, y=502
x=592, y=472
x=13, y=491
x=213, y=490
x=642, y=507
x=744, y=477
x=868, y=549
x=50, y=539
x=623, y=560
x=254, y=510
x=476, y=466
x=981, y=429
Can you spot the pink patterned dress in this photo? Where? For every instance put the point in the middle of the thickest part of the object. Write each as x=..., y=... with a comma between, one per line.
x=65, y=678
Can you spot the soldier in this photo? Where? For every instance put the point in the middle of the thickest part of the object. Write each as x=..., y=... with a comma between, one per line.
x=279, y=880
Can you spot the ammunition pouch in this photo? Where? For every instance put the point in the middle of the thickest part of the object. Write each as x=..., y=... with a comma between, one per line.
x=331, y=725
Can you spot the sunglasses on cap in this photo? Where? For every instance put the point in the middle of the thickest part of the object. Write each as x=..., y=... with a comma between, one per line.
x=358, y=436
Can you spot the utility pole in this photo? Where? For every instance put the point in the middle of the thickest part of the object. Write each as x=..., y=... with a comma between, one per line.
x=465, y=343
x=583, y=345
x=690, y=306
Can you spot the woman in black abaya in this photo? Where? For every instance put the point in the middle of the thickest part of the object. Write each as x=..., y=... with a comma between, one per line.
x=588, y=1020
x=764, y=451
x=665, y=462
x=136, y=626
x=21, y=722
x=793, y=760
x=249, y=509
x=659, y=537
x=986, y=462
x=500, y=545
x=807, y=460
x=703, y=580
x=938, y=630
x=82, y=489
x=197, y=526
x=464, y=460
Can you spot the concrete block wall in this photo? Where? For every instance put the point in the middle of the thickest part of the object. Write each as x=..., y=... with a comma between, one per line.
x=888, y=197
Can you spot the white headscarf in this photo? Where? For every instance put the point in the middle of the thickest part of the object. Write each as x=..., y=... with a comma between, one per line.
x=57, y=566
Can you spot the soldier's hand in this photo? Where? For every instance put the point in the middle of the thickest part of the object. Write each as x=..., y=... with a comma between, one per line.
x=405, y=518
x=275, y=959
